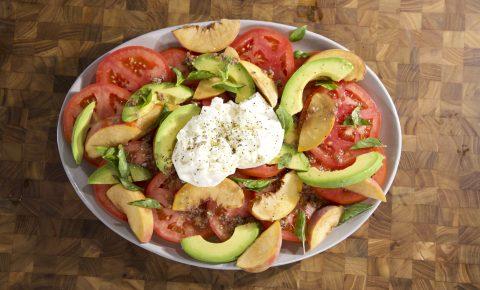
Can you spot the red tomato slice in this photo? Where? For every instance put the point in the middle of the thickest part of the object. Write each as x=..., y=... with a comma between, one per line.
x=110, y=100
x=100, y=191
x=141, y=152
x=132, y=67
x=158, y=190
x=223, y=221
x=334, y=153
x=176, y=57
x=262, y=171
x=268, y=49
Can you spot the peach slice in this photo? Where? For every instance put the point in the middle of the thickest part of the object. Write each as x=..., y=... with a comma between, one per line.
x=140, y=219
x=110, y=136
x=263, y=252
x=227, y=194
x=318, y=122
x=369, y=188
x=274, y=206
x=321, y=224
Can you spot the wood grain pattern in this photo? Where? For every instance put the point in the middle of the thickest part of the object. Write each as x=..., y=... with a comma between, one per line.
x=427, y=236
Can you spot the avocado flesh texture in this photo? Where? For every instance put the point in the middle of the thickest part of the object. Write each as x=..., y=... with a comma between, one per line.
x=79, y=133
x=106, y=174
x=364, y=166
x=156, y=93
x=298, y=162
x=227, y=251
x=236, y=73
x=334, y=68
x=166, y=135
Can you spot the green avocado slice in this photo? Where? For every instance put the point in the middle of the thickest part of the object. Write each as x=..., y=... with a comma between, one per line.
x=166, y=136
x=334, y=68
x=227, y=251
x=80, y=129
x=298, y=162
x=364, y=166
x=106, y=174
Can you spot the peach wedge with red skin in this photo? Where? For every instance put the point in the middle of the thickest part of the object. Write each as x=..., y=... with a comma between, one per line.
x=321, y=224
x=368, y=188
x=263, y=252
x=140, y=219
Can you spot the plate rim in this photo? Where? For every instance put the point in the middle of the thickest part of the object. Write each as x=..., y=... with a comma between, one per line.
x=61, y=146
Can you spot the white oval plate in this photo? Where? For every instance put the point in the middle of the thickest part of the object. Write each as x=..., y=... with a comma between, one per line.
x=162, y=39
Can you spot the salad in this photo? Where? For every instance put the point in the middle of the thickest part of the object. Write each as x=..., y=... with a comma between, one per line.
x=230, y=144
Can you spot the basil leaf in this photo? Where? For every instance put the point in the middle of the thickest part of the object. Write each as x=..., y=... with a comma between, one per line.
x=355, y=120
x=297, y=34
x=367, y=143
x=300, y=54
x=180, y=78
x=123, y=168
x=329, y=85
x=138, y=100
x=300, y=226
x=253, y=184
x=286, y=120
x=228, y=86
x=223, y=74
x=111, y=155
x=284, y=160
x=200, y=75
x=128, y=184
x=354, y=210
x=163, y=115
x=146, y=203
x=101, y=149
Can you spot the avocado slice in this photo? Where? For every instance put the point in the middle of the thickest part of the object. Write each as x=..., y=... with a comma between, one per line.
x=359, y=68
x=298, y=162
x=364, y=166
x=166, y=135
x=80, y=129
x=106, y=174
x=334, y=67
x=236, y=73
x=227, y=251
x=143, y=100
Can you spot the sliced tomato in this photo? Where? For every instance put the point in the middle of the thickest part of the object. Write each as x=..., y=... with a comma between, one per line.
x=176, y=57
x=174, y=226
x=100, y=191
x=262, y=171
x=141, y=152
x=223, y=221
x=110, y=100
x=158, y=189
x=335, y=153
x=132, y=67
x=268, y=49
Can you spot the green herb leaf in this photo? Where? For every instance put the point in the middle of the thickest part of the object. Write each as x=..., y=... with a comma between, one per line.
x=253, y=184
x=128, y=184
x=284, y=160
x=223, y=74
x=123, y=168
x=300, y=226
x=367, y=143
x=101, y=149
x=298, y=34
x=329, y=85
x=146, y=203
x=354, y=210
x=180, y=78
x=163, y=115
x=200, y=75
x=300, y=54
x=286, y=120
x=228, y=86
x=355, y=120
x=111, y=156
x=138, y=101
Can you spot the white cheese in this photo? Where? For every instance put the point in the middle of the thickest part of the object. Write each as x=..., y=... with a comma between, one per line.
x=226, y=136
